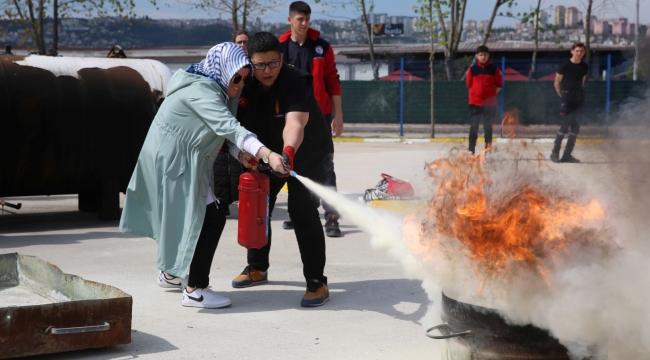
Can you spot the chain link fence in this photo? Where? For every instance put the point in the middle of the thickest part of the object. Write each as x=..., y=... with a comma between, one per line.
x=394, y=107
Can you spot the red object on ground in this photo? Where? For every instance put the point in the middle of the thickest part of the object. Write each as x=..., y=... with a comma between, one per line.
x=253, y=219
x=396, y=76
x=397, y=187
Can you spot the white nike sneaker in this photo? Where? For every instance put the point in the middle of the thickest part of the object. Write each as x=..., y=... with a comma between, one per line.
x=204, y=298
x=173, y=283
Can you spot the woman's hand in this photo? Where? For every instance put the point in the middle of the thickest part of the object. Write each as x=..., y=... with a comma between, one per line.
x=245, y=159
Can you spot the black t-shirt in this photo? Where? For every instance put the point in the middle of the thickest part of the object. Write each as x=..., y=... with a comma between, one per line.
x=263, y=113
x=299, y=56
x=572, y=75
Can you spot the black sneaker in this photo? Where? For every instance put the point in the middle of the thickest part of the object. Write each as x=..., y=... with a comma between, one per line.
x=555, y=157
x=570, y=159
x=287, y=225
x=332, y=227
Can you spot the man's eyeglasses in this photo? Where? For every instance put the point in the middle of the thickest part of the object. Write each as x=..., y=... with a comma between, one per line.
x=272, y=65
x=237, y=79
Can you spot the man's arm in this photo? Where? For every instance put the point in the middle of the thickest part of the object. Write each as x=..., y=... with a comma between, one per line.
x=583, y=80
x=498, y=80
x=469, y=79
x=558, y=81
x=294, y=128
x=337, y=121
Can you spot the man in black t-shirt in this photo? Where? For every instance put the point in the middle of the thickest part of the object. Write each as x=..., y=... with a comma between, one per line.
x=279, y=106
x=569, y=83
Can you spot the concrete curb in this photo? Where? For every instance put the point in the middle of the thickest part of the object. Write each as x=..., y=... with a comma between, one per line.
x=456, y=140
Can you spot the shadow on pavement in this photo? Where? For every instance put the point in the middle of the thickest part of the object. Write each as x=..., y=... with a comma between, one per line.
x=9, y=241
x=51, y=221
x=141, y=344
x=382, y=296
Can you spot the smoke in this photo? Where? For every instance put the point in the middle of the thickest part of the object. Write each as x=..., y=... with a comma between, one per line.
x=594, y=299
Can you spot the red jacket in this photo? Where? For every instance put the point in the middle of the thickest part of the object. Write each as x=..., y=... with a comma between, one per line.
x=318, y=60
x=483, y=81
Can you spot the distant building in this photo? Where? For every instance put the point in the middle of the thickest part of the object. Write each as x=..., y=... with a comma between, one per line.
x=543, y=18
x=558, y=16
x=470, y=25
x=619, y=26
x=571, y=17
x=482, y=25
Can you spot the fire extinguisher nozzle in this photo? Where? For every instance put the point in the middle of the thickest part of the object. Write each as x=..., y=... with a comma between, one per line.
x=293, y=173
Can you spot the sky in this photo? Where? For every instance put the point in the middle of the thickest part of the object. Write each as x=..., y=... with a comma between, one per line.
x=477, y=10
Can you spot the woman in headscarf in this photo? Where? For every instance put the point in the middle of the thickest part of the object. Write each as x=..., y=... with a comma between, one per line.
x=170, y=196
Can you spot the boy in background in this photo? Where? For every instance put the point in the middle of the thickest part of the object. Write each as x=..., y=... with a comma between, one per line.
x=303, y=48
x=484, y=82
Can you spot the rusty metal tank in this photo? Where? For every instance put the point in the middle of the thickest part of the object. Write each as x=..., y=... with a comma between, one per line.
x=75, y=125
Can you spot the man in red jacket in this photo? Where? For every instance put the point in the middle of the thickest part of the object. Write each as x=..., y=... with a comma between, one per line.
x=303, y=48
x=484, y=83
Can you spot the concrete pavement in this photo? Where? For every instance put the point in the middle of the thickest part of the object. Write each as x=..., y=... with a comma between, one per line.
x=374, y=311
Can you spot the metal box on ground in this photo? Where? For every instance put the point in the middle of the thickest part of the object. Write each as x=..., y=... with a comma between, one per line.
x=44, y=310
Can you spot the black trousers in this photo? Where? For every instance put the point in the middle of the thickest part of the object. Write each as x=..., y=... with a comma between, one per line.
x=330, y=179
x=572, y=103
x=213, y=224
x=477, y=115
x=303, y=211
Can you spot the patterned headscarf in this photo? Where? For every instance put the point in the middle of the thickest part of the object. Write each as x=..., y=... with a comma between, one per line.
x=222, y=63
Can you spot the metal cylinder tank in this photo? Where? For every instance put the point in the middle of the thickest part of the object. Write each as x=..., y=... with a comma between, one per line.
x=75, y=125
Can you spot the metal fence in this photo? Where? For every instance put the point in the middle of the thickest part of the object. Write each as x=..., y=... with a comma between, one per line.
x=401, y=105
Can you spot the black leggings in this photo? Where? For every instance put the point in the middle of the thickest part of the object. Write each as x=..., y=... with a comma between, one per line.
x=477, y=115
x=213, y=224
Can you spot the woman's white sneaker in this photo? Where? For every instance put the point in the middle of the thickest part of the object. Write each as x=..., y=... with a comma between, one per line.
x=204, y=298
x=171, y=283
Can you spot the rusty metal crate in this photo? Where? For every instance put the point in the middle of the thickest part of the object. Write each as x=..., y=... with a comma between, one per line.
x=44, y=310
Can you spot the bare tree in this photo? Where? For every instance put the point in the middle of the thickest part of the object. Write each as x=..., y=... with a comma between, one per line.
x=364, y=7
x=497, y=5
x=426, y=19
x=238, y=10
x=595, y=7
x=450, y=38
x=536, y=29
x=31, y=15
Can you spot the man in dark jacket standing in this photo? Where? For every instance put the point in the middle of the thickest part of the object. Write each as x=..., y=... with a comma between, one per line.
x=279, y=106
x=569, y=83
x=303, y=48
x=484, y=82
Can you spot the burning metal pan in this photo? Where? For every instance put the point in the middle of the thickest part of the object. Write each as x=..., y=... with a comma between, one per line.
x=44, y=310
x=480, y=333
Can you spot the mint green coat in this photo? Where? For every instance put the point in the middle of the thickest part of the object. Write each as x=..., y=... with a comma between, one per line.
x=166, y=197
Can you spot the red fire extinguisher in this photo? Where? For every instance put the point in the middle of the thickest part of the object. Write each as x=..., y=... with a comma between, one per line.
x=253, y=210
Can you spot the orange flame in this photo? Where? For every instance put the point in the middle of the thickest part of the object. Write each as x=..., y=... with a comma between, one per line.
x=525, y=224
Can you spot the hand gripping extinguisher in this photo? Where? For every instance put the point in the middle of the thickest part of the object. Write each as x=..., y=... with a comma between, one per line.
x=253, y=210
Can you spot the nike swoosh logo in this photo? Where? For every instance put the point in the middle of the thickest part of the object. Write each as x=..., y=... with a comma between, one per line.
x=171, y=283
x=200, y=299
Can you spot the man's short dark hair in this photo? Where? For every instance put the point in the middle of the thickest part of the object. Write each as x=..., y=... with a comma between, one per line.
x=299, y=7
x=577, y=45
x=262, y=42
x=240, y=32
x=482, y=48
